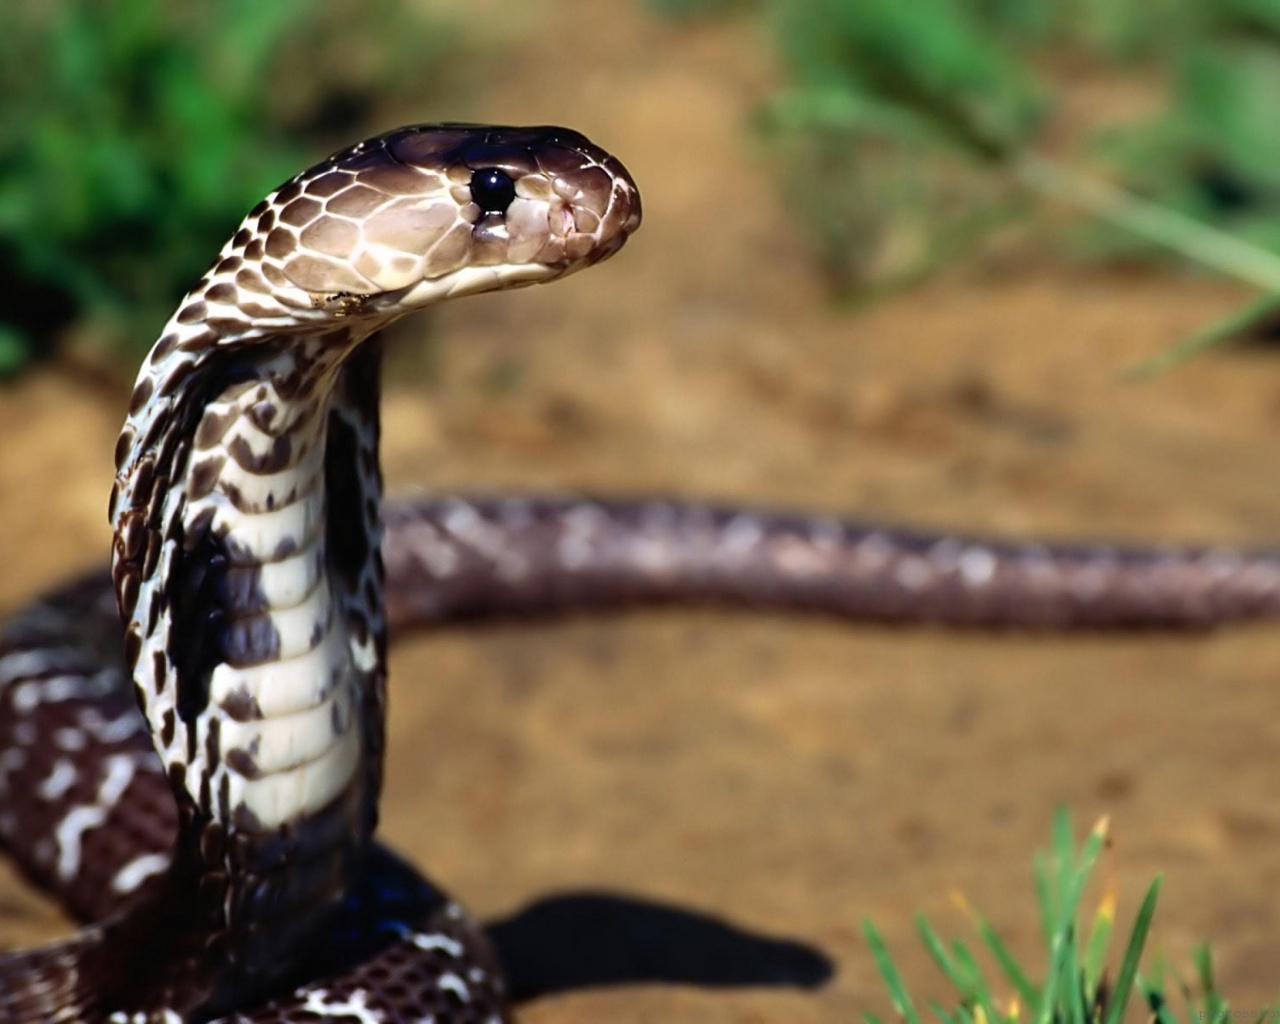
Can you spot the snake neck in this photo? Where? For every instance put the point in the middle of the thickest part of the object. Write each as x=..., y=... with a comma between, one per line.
x=247, y=566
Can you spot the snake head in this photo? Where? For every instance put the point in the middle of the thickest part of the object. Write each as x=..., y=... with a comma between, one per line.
x=422, y=213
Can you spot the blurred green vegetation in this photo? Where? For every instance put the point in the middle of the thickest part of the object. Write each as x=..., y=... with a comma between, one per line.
x=906, y=130
x=1076, y=985
x=134, y=136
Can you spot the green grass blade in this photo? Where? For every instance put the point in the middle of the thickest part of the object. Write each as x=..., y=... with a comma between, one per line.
x=1153, y=993
x=978, y=989
x=1192, y=239
x=897, y=990
x=1237, y=322
x=938, y=951
x=1017, y=977
x=1099, y=938
x=1075, y=992
x=1132, y=953
x=1044, y=899
x=1072, y=989
x=938, y=1011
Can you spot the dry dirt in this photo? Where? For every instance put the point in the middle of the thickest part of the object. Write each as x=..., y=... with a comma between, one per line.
x=791, y=776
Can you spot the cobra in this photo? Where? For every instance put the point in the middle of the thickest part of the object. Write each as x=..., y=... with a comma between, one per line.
x=224, y=852
x=246, y=565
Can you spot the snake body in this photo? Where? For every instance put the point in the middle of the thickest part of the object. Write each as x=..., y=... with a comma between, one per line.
x=220, y=843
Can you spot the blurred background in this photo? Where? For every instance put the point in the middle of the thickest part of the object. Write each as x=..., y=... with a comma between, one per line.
x=900, y=259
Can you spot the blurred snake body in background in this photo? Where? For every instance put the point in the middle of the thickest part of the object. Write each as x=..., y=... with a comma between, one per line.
x=220, y=843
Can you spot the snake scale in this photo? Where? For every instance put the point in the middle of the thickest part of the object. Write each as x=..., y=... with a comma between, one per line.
x=219, y=845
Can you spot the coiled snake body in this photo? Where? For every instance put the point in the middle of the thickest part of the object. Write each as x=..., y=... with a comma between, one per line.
x=222, y=842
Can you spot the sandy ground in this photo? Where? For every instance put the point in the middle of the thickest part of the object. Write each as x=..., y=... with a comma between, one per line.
x=791, y=776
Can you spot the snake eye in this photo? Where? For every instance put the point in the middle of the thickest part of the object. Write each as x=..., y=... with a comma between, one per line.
x=492, y=190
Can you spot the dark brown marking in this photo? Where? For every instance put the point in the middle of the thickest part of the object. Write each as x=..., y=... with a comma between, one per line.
x=300, y=212
x=159, y=664
x=253, y=251
x=178, y=776
x=241, y=238
x=179, y=376
x=242, y=706
x=357, y=201
x=276, y=458
x=280, y=243
x=267, y=221
x=213, y=844
x=224, y=325
x=155, y=429
x=397, y=179
x=144, y=479
x=131, y=534
x=291, y=384
x=252, y=640
x=229, y=265
x=164, y=347
x=197, y=634
x=200, y=525
x=204, y=476
x=274, y=275
x=140, y=397
x=123, y=443
x=287, y=548
x=262, y=415
x=202, y=337
x=213, y=742
x=151, y=557
x=246, y=822
x=240, y=761
x=132, y=647
x=327, y=184
x=250, y=280
x=258, y=309
x=192, y=313
x=213, y=426
x=224, y=797
x=127, y=592
x=223, y=292
x=289, y=193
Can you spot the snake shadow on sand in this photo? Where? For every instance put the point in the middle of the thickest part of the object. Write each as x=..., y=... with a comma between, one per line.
x=592, y=939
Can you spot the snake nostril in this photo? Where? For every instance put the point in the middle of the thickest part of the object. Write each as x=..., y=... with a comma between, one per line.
x=492, y=190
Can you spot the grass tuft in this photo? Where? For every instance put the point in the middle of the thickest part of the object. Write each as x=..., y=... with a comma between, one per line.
x=1075, y=986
